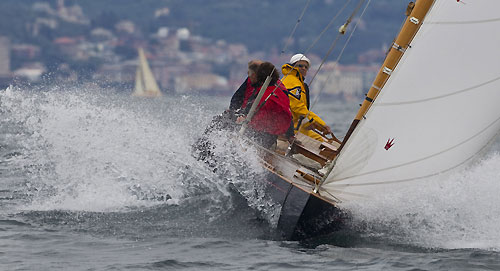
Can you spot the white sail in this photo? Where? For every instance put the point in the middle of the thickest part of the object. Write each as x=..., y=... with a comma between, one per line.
x=438, y=109
x=139, y=84
x=145, y=83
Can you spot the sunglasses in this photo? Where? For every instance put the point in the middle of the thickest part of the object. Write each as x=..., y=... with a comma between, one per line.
x=303, y=66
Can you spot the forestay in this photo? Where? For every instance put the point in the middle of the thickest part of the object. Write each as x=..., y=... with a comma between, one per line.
x=438, y=109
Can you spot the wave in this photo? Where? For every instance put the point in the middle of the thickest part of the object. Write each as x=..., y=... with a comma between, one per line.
x=452, y=212
x=76, y=152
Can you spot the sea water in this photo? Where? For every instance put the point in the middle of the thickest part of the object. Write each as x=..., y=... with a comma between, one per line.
x=94, y=179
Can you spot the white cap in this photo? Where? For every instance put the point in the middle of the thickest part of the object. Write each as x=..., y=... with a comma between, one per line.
x=299, y=57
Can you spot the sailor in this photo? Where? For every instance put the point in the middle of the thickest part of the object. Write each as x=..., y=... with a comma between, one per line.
x=240, y=98
x=273, y=117
x=304, y=120
x=239, y=104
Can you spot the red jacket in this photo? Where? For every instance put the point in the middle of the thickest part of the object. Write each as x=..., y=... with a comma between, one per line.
x=248, y=93
x=275, y=116
x=240, y=98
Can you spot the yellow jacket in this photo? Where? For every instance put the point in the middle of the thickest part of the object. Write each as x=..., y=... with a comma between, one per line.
x=299, y=101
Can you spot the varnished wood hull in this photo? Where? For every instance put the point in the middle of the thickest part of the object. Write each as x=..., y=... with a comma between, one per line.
x=303, y=214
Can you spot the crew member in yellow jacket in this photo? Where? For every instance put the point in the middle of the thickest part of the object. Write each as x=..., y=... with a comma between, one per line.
x=294, y=73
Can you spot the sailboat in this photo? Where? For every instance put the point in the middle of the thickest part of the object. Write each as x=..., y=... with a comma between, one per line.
x=145, y=83
x=432, y=108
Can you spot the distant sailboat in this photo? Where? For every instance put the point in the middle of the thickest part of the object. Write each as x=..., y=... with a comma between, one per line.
x=145, y=83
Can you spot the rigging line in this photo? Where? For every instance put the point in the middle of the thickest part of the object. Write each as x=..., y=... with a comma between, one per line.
x=398, y=64
x=427, y=157
x=332, y=164
x=338, y=36
x=339, y=56
x=341, y=52
x=317, y=39
x=343, y=193
x=324, y=59
x=328, y=26
x=335, y=198
x=468, y=22
x=441, y=96
x=287, y=43
x=284, y=49
x=295, y=28
x=331, y=48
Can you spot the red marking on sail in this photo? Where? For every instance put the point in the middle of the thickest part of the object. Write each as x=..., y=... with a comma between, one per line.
x=389, y=144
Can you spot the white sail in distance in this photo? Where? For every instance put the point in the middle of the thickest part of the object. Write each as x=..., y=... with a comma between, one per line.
x=438, y=109
x=145, y=83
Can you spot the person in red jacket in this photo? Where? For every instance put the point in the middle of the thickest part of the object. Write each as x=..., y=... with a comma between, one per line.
x=273, y=116
x=240, y=98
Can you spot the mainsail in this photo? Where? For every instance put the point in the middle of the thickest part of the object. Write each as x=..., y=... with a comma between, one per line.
x=145, y=83
x=438, y=109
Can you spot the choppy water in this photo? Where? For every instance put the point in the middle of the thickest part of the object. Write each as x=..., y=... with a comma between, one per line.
x=91, y=179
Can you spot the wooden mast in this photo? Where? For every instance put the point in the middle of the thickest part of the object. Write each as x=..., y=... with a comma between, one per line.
x=415, y=15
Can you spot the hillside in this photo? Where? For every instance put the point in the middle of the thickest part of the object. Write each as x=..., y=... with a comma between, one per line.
x=260, y=25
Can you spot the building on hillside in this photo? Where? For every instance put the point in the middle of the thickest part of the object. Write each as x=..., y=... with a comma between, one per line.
x=125, y=26
x=344, y=81
x=120, y=73
x=201, y=83
x=372, y=56
x=43, y=7
x=75, y=47
x=100, y=34
x=162, y=12
x=67, y=45
x=73, y=14
x=25, y=51
x=237, y=51
x=42, y=23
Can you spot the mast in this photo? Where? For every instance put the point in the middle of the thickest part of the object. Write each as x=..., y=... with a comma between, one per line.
x=415, y=15
x=438, y=108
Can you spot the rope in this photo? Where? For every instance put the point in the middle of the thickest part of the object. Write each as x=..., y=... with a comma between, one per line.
x=343, y=27
x=340, y=54
x=327, y=27
x=283, y=51
x=321, y=34
x=342, y=30
x=330, y=168
x=310, y=47
x=295, y=28
x=333, y=46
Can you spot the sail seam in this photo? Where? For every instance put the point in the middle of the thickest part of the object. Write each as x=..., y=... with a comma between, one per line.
x=441, y=96
x=415, y=178
x=427, y=157
x=467, y=22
